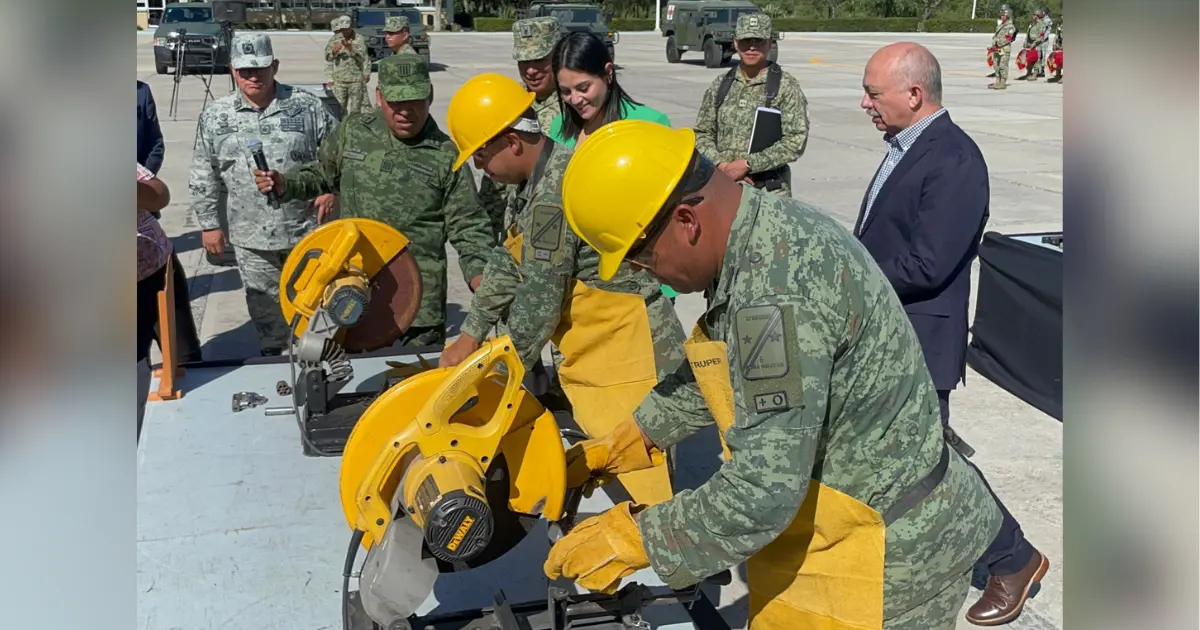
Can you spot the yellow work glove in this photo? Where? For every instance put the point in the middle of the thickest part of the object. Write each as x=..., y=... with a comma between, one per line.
x=599, y=552
x=618, y=452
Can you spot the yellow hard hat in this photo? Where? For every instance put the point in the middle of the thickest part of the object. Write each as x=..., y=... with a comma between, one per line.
x=483, y=107
x=618, y=180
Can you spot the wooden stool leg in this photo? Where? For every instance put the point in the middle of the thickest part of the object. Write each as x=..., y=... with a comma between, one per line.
x=167, y=389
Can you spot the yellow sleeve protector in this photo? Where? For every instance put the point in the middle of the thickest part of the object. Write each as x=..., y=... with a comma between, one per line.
x=600, y=551
x=618, y=452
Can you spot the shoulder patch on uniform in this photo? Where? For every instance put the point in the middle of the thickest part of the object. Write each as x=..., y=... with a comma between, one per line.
x=546, y=229
x=766, y=346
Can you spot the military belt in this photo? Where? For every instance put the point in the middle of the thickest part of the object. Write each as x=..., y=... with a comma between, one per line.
x=920, y=491
x=768, y=180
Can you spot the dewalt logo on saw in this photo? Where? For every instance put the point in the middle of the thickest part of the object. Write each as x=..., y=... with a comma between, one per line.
x=460, y=533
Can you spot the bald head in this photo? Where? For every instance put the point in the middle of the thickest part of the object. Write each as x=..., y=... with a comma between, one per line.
x=902, y=84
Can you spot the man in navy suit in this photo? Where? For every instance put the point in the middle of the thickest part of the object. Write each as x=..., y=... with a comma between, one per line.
x=922, y=219
x=150, y=150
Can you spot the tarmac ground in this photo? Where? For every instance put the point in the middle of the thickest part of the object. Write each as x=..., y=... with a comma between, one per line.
x=1019, y=131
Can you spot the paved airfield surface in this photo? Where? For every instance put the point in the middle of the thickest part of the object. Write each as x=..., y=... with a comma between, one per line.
x=1018, y=130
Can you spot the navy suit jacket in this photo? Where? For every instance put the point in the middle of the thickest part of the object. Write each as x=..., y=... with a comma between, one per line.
x=150, y=146
x=924, y=231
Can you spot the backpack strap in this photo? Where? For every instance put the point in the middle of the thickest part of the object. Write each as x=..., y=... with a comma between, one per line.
x=719, y=97
x=774, y=77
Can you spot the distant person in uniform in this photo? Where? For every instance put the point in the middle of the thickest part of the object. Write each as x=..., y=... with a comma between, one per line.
x=347, y=66
x=1035, y=36
x=290, y=123
x=1048, y=24
x=730, y=105
x=1001, y=49
x=396, y=35
x=396, y=165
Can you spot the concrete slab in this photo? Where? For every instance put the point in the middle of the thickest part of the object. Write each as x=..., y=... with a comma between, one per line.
x=1019, y=132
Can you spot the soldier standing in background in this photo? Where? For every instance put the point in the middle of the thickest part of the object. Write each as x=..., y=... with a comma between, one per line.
x=291, y=125
x=533, y=41
x=1034, y=37
x=396, y=35
x=396, y=166
x=1058, y=45
x=726, y=118
x=347, y=66
x=1044, y=52
x=1002, y=48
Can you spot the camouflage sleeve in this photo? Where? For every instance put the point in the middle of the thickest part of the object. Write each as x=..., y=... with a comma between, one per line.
x=309, y=181
x=491, y=197
x=793, y=109
x=705, y=127
x=774, y=440
x=204, y=180
x=494, y=295
x=674, y=409
x=329, y=59
x=467, y=225
x=326, y=124
x=363, y=55
x=547, y=267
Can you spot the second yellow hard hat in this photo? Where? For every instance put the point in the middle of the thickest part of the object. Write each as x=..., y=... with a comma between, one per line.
x=483, y=107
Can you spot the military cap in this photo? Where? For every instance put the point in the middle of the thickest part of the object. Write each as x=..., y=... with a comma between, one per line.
x=534, y=38
x=340, y=22
x=251, y=50
x=753, y=26
x=395, y=24
x=404, y=77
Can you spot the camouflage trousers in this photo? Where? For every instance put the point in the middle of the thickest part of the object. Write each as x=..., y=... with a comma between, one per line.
x=351, y=96
x=260, y=270
x=1000, y=64
x=421, y=336
x=939, y=613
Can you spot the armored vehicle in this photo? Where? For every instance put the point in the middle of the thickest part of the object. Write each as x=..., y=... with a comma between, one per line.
x=369, y=21
x=707, y=26
x=205, y=50
x=576, y=16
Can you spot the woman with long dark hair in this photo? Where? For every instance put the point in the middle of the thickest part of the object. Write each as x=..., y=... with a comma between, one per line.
x=589, y=92
x=590, y=95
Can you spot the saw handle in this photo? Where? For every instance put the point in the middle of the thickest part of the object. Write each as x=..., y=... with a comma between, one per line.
x=459, y=385
x=330, y=265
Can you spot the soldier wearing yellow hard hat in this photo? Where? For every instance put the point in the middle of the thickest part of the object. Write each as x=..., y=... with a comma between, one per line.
x=619, y=335
x=837, y=488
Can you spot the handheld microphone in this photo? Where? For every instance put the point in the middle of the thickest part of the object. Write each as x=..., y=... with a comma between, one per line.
x=260, y=162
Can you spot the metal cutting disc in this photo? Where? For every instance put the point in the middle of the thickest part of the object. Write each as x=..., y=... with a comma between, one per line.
x=395, y=300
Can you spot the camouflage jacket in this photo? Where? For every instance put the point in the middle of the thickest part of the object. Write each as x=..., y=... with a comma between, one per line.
x=291, y=129
x=833, y=386
x=737, y=120
x=1058, y=38
x=1036, y=35
x=407, y=49
x=495, y=197
x=410, y=185
x=1004, y=36
x=531, y=295
x=350, y=63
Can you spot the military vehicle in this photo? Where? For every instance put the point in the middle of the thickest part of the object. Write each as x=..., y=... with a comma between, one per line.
x=707, y=26
x=576, y=16
x=369, y=22
x=205, y=50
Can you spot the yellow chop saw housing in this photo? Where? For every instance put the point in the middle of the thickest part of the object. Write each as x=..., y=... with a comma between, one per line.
x=425, y=447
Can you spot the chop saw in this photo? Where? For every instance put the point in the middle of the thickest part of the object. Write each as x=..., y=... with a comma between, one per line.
x=350, y=286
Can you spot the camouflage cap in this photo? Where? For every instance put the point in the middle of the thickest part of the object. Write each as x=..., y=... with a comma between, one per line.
x=404, y=77
x=534, y=38
x=395, y=24
x=340, y=22
x=251, y=50
x=753, y=26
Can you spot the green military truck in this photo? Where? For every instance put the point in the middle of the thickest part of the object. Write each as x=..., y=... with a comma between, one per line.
x=707, y=26
x=369, y=22
x=576, y=16
x=202, y=47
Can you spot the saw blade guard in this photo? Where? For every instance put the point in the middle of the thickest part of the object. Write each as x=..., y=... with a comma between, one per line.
x=361, y=275
x=428, y=445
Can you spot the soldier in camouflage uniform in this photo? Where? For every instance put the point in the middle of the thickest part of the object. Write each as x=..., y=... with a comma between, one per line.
x=1001, y=48
x=837, y=487
x=1044, y=51
x=347, y=66
x=723, y=136
x=619, y=335
x=533, y=40
x=396, y=35
x=291, y=124
x=1058, y=45
x=1034, y=38
x=396, y=166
